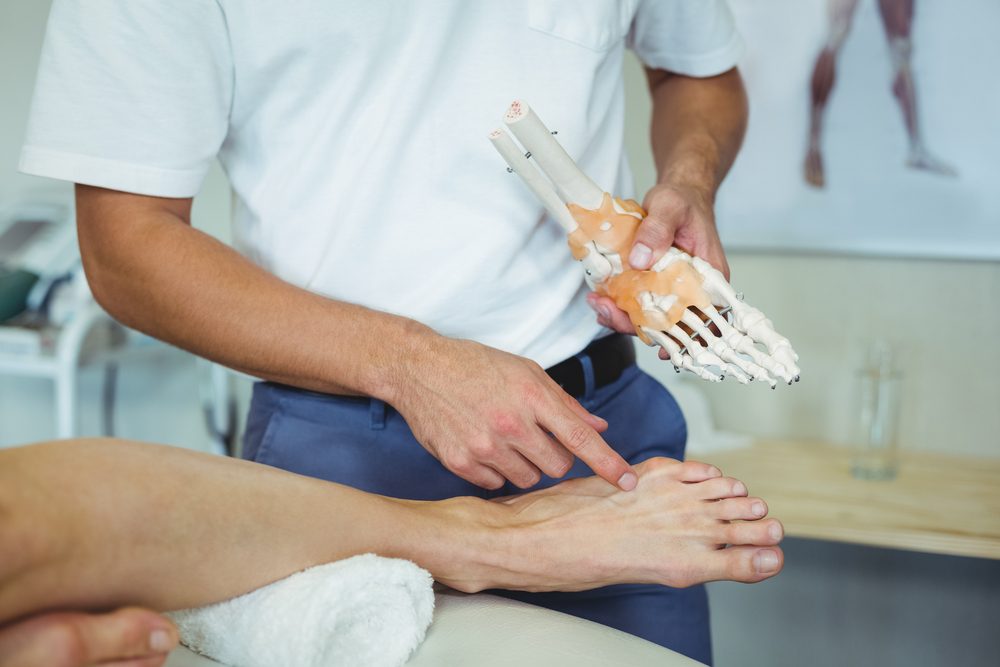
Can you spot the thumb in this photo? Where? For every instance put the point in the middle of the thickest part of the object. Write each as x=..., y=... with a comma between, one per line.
x=129, y=635
x=652, y=240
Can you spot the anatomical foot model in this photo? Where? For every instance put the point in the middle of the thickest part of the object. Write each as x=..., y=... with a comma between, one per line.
x=682, y=303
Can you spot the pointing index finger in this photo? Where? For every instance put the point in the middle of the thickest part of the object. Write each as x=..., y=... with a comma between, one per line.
x=584, y=442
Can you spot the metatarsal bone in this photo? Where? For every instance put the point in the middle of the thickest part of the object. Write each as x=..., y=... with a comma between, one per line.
x=742, y=344
x=749, y=319
x=574, y=185
x=533, y=178
x=742, y=369
x=677, y=356
x=718, y=343
x=702, y=355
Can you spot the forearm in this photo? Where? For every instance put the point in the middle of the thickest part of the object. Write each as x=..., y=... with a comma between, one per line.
x=154, y=272
x=100, y=523
x=697, y=127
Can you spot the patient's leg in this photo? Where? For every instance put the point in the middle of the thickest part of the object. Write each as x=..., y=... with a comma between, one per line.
x=100, y=524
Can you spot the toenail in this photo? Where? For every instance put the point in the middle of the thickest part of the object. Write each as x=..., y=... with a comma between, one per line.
x=765, y=562
x=739, y=489
x=757, y=509
x=774, y=530
x=714, y=472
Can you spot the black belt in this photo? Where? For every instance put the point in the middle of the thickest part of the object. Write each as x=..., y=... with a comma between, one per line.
x=609, y=357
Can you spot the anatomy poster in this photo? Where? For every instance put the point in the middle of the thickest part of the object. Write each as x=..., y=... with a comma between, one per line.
x=874, y=128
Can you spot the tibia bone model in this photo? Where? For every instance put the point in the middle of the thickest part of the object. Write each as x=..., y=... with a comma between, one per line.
x=682, y=303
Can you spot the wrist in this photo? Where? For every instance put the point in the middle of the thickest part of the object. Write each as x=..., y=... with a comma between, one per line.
x=399, y=359
x=693, y=167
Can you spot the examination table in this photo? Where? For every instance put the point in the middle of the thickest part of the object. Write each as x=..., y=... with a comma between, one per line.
x=489, y=631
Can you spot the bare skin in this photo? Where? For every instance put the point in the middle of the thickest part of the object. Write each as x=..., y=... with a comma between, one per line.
x=697, y=129
x=93, y=525
x=897, y=20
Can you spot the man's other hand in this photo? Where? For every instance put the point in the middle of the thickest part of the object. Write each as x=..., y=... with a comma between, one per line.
x=676, y=215
x=490, y=416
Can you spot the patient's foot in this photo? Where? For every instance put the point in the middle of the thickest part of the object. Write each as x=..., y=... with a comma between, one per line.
x=130, y=636
x=684, y=524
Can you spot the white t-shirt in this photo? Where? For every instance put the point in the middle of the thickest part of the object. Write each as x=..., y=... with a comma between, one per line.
x=354, y=134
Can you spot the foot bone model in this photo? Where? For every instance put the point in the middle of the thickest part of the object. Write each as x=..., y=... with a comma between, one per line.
x=682, y=303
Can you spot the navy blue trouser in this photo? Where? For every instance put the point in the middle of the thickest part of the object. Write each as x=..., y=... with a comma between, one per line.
x=366, y=444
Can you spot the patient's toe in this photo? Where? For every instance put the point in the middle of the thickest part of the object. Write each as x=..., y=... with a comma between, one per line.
x=751, y=564
x=720, y=487
x=695, y=471
x=740, y=509
x=762, y=533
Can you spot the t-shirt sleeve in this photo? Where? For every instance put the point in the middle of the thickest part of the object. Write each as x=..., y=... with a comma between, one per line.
x=690, y=37
x=131, y=95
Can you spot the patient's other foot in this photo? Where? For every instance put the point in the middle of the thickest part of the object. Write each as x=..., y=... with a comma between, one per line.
x=684, y=524
x=131, y=636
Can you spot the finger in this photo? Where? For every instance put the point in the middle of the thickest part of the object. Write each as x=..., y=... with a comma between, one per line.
x=513, y=466
x=83, y=639
x=545, y=453
x=705, y=243
x=477, y=473
x=599, y=424
x=740, y=509
x=653, y=238
x=126, y=633
x=584, y=443
x=610, y=315
x=717, y=258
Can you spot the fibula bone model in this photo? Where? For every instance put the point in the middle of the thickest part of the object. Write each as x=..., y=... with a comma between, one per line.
x=682, y=303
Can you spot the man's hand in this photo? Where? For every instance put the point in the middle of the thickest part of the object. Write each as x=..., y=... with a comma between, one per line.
x=490, y=416
x=682, y=216
x=697, y=128
x=676, y=215
x=129, y=637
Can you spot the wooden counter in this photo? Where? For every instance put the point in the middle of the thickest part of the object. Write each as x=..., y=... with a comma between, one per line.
x=937, y=503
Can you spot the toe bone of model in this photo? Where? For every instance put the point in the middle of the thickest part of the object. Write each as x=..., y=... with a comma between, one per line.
x=679, y=302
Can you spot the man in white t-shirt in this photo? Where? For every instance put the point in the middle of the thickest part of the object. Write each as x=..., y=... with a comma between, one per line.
x=399, y=292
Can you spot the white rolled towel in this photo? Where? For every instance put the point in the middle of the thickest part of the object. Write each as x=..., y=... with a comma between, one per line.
x=364, y=610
